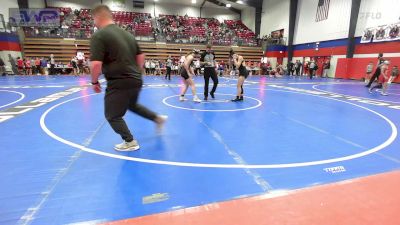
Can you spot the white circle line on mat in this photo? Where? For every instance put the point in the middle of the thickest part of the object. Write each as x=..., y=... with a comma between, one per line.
x=386, y=143
x=22, y=96
x=259, y=103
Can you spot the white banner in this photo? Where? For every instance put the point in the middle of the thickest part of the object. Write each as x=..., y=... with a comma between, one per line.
x=382, y=33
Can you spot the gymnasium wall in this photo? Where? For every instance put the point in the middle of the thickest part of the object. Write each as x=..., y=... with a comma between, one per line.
x=372, y=13
x=377, y=12
x=9, y=44
x=66, y=3
x=335, y=27
x=336, y=48
x=275, y=16
x=355, y=68
x=329, y=38
x=220, y=14
x=5, y=5
x=248, y=17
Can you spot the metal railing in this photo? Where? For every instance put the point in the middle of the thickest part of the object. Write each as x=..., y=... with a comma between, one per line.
x=159, y=37
x=73, y=33
x=148, y=36
x=275, y=41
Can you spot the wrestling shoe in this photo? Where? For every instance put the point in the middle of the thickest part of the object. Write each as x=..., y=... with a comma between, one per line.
x=160, y=121
x=127, y=146
x=196, y=99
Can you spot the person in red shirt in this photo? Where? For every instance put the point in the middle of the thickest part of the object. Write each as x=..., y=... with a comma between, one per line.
x=305, y=68
x=28, y=66
x=20, y=65
x=37, y=64
x=383, y=79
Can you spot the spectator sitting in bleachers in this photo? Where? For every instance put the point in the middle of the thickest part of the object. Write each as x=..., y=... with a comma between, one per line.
x=78, y=23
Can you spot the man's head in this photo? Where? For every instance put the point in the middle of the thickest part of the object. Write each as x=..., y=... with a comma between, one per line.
x=208, y=48
x=232, y=54
x=102, y=16
x=196, y=52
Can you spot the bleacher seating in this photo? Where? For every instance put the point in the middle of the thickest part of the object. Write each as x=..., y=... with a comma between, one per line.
x=79, y=24
x=195, y=32
x=201, y=30
x=65, y=49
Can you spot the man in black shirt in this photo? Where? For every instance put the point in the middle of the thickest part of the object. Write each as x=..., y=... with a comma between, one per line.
x=377, y=70
x=208, y=61
x=290, y=68
x=298, y=66
x=116, y=53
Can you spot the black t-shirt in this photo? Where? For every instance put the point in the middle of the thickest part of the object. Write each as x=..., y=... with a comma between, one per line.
x=117, y=49
x=327, y=65
x=73, y=63
x=380, y=60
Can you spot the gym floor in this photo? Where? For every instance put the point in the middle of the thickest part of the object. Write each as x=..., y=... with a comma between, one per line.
x=290, y=137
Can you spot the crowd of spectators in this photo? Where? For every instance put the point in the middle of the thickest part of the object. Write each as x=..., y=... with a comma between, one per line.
x=49, y=66
x=79, y=24
x=159, y=67
x=185, y=29
x=170, y=28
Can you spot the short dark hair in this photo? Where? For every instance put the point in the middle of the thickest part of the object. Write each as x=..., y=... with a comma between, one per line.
x=231, y=53
x=101, y=9
x=208, y=46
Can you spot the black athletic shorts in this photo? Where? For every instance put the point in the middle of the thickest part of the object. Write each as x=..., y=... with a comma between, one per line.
x=243, y=73
x=184, y=74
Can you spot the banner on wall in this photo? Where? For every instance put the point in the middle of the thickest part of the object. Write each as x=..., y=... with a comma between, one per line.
x=46, y=17
x=277, y=34
x=368, y=35
x=394, y=32
x=381, y=33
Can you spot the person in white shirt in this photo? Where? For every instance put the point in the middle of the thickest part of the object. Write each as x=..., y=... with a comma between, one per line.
x=312, y=67
x=370, y=67
x=147, y=67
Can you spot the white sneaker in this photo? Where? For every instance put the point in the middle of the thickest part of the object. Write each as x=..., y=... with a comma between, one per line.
x=160, y=121
x=181, y=98
x=127, y=146
x=196, y=99
x=384, y=94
